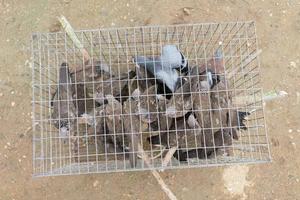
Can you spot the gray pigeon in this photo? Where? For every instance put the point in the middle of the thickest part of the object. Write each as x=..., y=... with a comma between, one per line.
x=164, y=67
x=172, y=57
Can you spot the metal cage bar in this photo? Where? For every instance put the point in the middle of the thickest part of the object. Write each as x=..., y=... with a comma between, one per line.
x=100, y=127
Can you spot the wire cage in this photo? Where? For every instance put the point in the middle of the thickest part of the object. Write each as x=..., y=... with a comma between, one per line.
x=91, y=120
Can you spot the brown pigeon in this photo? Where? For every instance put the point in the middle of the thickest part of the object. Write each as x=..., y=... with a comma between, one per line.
x=116, y=87
x=113, y=119
x=133, y=126
x=64, y=111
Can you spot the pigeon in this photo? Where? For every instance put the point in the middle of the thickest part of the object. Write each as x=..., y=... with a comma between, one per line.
x=210, y=72
x=172, y=57
x=113, y=118
x=117, y=87
x=164, y=67
x=144, y=79
x=180, y=135
x=146, y=104
x=82, y=100
x=223, y=115
x=133, y=126
x=163, y=122
x=210, y=144
x=64, y=110
x=90, y=72
x=180, y=102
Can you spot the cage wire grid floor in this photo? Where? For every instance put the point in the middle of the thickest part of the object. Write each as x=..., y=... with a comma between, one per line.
x=99, y=104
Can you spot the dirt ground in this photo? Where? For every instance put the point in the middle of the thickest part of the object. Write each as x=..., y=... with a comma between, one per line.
x=278, y=30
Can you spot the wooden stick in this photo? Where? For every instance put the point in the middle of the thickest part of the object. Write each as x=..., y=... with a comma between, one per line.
x=156, y=175
x=169, y=156
x=269, y=96
x=70, y=32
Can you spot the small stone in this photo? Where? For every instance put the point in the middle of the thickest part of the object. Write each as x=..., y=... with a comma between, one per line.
x=294, y=144
x=293, y=64
x=271, y=14
x=23, y=156
x=220, y=42
x=284, y=11
x=125, y=17
x=113, y=24
x=131, y=20
x=8, y=143
x=297, y=180
x=5, y=146
x=1, y=94
x=127, y=4
x=20, y=160
x=186, y=11
x=96, y=183
x=12, y=92
x=298, y=130
x=290, y=130
x=8, y=39
x=13, y=103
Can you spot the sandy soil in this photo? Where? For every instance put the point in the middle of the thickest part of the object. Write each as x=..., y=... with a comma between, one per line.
x=278, y=29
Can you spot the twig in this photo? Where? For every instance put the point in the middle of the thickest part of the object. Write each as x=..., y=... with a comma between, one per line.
x=169, y=156
x=269, y=96
x=272, y=95
x=154, y=157
x=70, y=32
x=156, y=175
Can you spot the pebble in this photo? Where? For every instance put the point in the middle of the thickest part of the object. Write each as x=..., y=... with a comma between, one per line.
x=131, y=20
x=20, y=160
x=23, y=156
x=293, y=64
x=290, y=130
x=13, y=103
x=8, y=143
x=271, y=14
x=96, y=183
x=127, y=4
x=186, y=11
x=220, y=42
x=12, y=92
x=113, y=24
x=298, y=130
x=1, y=94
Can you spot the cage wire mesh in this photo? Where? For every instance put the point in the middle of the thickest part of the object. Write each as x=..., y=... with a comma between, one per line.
x=89, y=120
